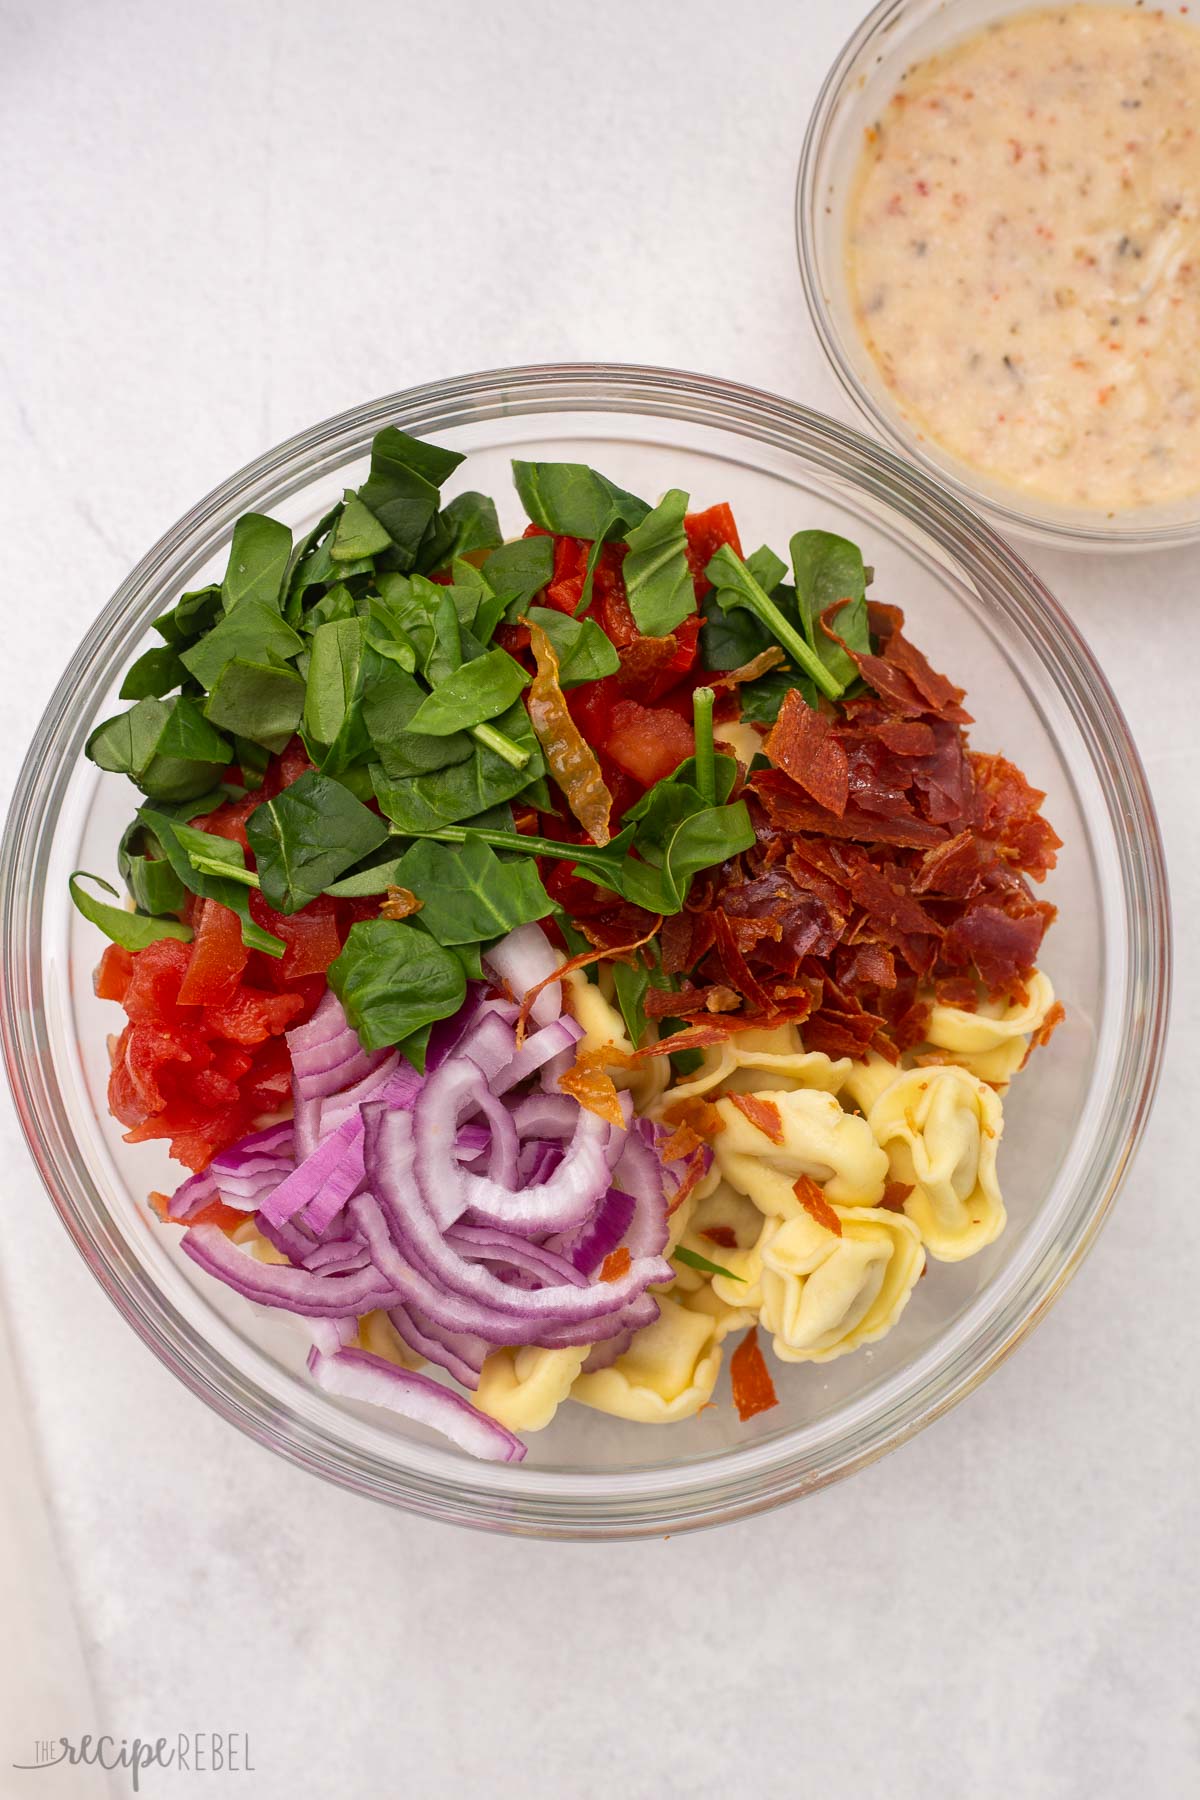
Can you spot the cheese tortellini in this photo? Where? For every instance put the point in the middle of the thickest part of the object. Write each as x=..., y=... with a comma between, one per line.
x=602, y=1024
x=668, y=1372
x=835, y=1148
x=940, y=1127
x=524, y=1388
x=993, y=1041
x=824, y=1294
x=750, y=1061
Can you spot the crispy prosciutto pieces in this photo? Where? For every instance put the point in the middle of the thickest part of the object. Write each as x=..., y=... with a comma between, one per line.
x=889, y=857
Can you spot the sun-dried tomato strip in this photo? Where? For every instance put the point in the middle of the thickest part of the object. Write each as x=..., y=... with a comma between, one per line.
x=761, y=1113
x=753, y=1389
x=616, y=1264
x=895, y=1193
x=816, y=1205
x=801, y=743
x=569, y=757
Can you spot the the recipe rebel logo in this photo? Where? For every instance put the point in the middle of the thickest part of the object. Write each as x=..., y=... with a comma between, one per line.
x=196, y=1752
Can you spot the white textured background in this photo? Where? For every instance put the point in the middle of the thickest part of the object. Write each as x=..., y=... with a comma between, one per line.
x=221, y=223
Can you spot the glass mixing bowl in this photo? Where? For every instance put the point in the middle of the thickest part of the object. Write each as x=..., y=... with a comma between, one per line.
x=1035, y=691
x=863, y=79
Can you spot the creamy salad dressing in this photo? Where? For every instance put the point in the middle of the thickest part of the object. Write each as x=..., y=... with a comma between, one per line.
x=1023, y=248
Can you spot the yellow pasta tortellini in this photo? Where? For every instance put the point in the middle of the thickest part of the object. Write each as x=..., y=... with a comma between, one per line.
x=835, y=1148
x=704, y=1299
x=940, y=1127
x=524, y=1388
x=825, y=1294
x=377, y=1334
x=724, y=1210
x=602, y=1024
x=749, y=1061
x=993, y=1041
x=668, y=1372
x=866, y=1080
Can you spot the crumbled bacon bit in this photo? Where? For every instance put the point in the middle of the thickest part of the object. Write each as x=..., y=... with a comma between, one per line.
x=616, y=1264
x=697, y=1168
x=697, y=1112
x=761, y=1113
x=1049, y=1025
x=895, y=1193
x=682, y=1142
x=610, y=953
x=723, y=1235
x=816, y=1205
x=401, y=903
x=589, y=1082
x=753, y=1389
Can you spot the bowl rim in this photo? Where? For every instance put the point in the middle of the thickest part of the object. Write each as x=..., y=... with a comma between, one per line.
x=1028, y=521
x=673, y=1497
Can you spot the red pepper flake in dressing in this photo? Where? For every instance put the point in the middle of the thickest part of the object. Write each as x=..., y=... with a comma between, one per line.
x=616, y=1264
x=570, y=758
x=762, y=1113
x=753, y=1389
x=816, y=1205
x=802, y=744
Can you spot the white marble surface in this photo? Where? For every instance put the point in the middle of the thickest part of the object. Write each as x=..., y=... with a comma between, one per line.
x=223, y=222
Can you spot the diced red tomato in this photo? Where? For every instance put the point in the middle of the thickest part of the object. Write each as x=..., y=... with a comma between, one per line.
x=229, y=820
x=218, y=959
x=648, y=743
x=651, y=667
x=112, y=977
x=154, y=981
x=250, y=1017
x=706, y=532
x=311, y=935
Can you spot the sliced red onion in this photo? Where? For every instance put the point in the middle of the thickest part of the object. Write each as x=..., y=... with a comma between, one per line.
x=605, y=1354
x=339, y=1107
x=331, y=1335
x=455, y=1351
x=326, y=1058
x=641, y=1312
x=291, y=1240
x=536, y=1161
x=489, y=1245
x=343, y=1255
x=357, y=1375
x=640, y=1174
x=449, y=1190
x=552, y=1043
x=546, y=1115
x=392, y=1156
x=589, y=1244
x=522, y=959
x=279, y=1284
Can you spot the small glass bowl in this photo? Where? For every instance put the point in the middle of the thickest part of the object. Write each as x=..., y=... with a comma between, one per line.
x=1035, y=690
x=863, y=79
